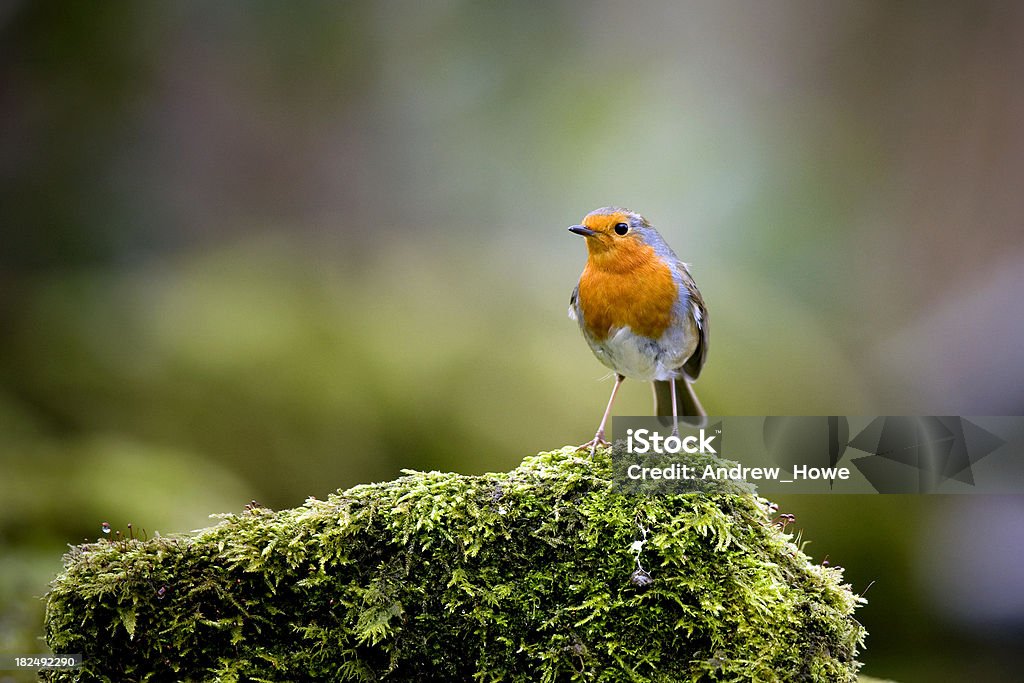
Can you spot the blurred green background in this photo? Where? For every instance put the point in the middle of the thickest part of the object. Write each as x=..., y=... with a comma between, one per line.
x=267, y=250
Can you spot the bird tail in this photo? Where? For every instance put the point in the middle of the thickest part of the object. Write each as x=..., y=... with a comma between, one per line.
x=687, y=402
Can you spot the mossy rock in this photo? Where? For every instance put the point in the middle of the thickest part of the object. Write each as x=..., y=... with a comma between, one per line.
x=530, y=575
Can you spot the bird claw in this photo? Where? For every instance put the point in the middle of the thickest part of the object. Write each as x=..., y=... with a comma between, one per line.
x=598, y=440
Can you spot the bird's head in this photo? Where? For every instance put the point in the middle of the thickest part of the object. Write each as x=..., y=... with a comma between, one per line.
x=615, y=233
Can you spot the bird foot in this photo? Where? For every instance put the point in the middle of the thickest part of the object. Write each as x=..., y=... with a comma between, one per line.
x=598, y=440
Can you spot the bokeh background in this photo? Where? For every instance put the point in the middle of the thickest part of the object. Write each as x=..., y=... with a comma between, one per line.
x=267, y=250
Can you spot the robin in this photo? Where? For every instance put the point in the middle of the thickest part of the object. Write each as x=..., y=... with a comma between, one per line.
x=640, y=312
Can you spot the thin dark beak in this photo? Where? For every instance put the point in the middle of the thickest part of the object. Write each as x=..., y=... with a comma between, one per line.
x=582, y=230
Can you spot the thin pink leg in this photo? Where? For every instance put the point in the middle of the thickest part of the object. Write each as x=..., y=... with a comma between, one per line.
x=675, y=409
x=598, y=439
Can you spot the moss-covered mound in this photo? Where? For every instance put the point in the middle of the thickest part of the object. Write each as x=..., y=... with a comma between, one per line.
x=545, y=573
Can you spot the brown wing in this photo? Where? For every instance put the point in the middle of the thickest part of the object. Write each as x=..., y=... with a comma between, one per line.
x=695, y=363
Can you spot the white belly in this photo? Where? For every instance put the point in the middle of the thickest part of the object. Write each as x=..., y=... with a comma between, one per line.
x=638, y=357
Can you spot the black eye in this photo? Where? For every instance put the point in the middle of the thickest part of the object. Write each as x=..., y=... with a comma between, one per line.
x=621, y=228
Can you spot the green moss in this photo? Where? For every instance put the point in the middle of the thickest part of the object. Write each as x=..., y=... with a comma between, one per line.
x=521, y=576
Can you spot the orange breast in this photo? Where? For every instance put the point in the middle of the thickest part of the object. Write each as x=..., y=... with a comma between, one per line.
x=627, y=286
